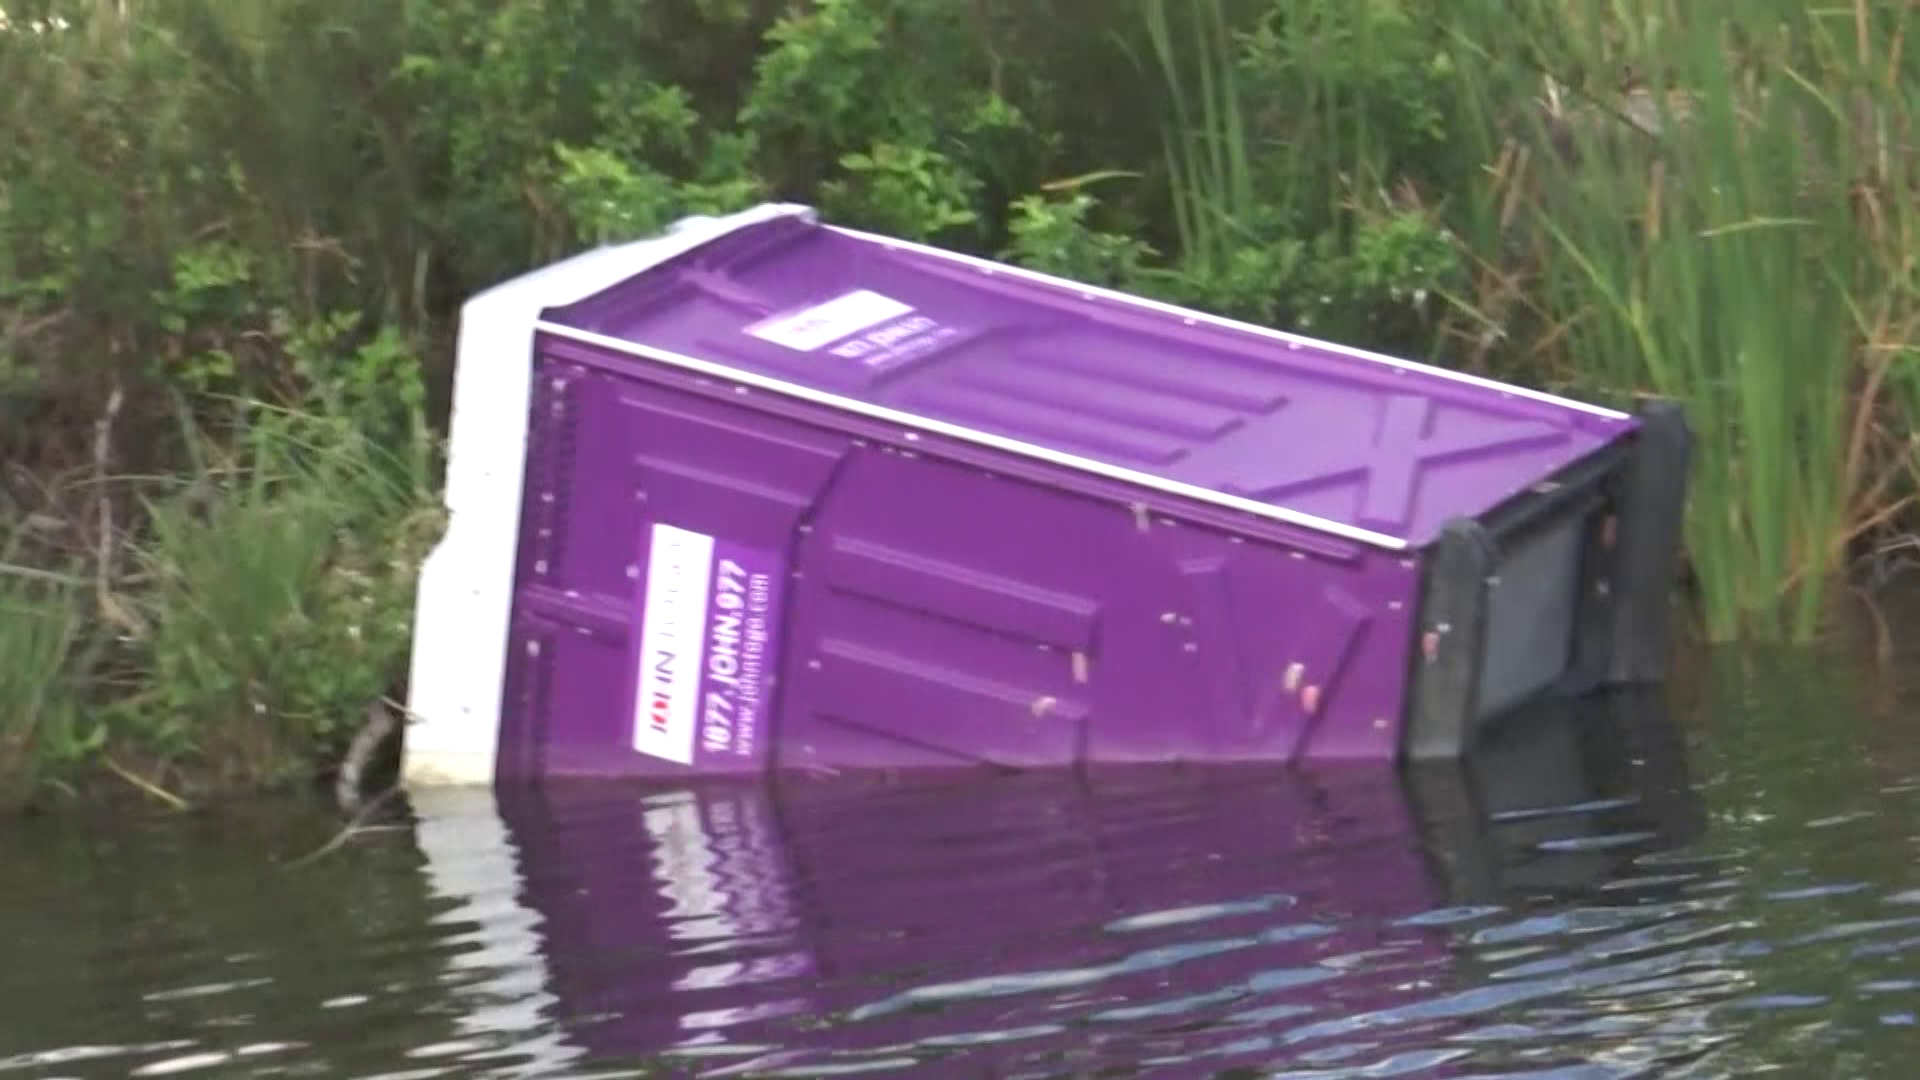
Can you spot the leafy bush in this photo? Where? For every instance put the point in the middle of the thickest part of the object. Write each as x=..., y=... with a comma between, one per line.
x=281, y=596
x=273, y=208
x=40, y=629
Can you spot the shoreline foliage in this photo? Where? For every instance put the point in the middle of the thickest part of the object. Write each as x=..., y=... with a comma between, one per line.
x=234, y=235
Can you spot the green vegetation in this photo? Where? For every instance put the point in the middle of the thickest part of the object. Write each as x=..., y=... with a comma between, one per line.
x=234, y=233
x=261, y=605
x=38, y=627
x=1740, y=237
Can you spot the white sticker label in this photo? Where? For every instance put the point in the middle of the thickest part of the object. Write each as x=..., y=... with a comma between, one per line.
x=824, y=324
x=673, y=623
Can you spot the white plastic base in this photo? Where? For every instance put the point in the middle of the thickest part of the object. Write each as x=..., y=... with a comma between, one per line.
x=465, y=595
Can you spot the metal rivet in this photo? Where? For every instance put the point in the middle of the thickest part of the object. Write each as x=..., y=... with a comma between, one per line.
x=1430, y=645
x=633, y=572
x=1080, y=666
x=1042, y=706
x=1310, y=699
x=1295, y=671
x=540, y=567
x=533, y=648
x=1191, y=647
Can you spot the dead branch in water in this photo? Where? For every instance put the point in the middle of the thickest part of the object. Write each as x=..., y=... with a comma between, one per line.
x=48, y=577
x=148, y=786
x=112, y=609
x=381, y=727
x=352, y=829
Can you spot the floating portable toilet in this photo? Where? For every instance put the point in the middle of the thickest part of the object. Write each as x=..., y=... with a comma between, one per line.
x=764, y=493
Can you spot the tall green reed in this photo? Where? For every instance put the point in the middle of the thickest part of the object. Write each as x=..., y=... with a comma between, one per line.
x=1208, y=163
x=1701, y=237
x=281, y=592
x=40, y=632
x=1283, y=117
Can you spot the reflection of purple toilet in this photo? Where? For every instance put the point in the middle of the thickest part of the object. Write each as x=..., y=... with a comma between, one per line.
x=1027, y=925
x=766, y=494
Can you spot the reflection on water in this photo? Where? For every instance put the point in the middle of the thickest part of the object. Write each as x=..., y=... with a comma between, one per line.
x=1587, y=897
x=1177, y=924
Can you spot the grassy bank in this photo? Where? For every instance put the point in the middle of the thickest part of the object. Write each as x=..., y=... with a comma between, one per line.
x=233, y=633
x=1735, y=230
x=233, y=234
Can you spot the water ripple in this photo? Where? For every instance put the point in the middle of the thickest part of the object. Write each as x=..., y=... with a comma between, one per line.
x=1542, y=915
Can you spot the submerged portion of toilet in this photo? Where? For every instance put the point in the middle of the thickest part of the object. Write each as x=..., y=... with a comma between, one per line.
x=764, y=493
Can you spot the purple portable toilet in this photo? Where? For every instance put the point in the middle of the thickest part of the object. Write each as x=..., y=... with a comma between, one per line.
x=768, y=494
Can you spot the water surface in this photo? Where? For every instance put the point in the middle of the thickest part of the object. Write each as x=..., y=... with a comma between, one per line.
x=1604, y=892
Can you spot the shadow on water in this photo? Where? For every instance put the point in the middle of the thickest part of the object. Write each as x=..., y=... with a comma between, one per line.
x=1599, y=892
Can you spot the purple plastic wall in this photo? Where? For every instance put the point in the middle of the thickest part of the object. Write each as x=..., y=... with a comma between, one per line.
x=914, y=604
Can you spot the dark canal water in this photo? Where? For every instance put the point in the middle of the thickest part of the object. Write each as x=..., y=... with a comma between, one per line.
x=1723, y=883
